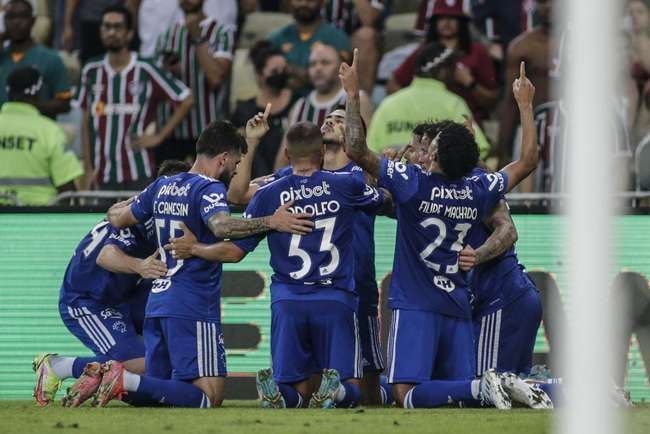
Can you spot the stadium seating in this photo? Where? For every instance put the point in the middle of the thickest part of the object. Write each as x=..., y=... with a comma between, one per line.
x=259, y=24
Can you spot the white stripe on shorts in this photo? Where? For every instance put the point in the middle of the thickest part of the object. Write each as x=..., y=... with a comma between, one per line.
x=392, y=345
x=488, y=342
x=199, y=347
x=98, y=343
x=358, y=368
x=215, y=349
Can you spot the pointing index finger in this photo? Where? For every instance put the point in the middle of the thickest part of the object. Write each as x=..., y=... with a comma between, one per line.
x=267, y=111
x=355, y=57
x=522, y=69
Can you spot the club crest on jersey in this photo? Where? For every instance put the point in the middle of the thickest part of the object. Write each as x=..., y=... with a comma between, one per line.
x=444, y=283
x=134, y=88
x=398, y=167
x=111, y=313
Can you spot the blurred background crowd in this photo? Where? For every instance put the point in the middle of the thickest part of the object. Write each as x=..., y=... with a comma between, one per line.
x=95, y=93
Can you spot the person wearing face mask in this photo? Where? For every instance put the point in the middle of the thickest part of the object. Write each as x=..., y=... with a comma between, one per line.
x=198, y=50
x=271, y=72
x=297, y=39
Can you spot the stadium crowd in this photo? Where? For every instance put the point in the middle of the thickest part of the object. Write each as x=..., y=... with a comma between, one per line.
x=133, y=93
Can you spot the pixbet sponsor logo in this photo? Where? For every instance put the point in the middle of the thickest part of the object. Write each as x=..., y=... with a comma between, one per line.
x=304, y=192
x=451, y=193
x=396, y=167
x=174, y=190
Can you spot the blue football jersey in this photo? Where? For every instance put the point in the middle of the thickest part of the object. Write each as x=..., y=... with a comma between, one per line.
x=192, y=287
x=434, y=216
x=365, y=278
x=86, y=283
x=487, y=280
x=320, y=265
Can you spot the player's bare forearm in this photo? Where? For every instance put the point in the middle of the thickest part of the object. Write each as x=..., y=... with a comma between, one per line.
x=224, y=252
x=367, y=14
x=225, y=226
x=53, y=106
x=215, y=69
x=113, y=259
x=504, y=234
x=356, y=146
x=120, y=216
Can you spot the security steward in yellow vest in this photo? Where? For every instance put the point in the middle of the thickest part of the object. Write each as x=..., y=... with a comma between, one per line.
x=34, y=163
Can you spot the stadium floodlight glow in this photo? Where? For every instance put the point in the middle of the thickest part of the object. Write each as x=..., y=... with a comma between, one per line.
x=588, y=30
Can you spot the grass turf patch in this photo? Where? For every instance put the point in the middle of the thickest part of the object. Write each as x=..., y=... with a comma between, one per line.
x=246, y=417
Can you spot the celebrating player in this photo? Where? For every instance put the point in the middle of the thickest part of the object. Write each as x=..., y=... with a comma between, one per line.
x=431, y=334
x=185, y=358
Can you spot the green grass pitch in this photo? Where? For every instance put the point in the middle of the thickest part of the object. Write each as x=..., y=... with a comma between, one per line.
x=244, y=417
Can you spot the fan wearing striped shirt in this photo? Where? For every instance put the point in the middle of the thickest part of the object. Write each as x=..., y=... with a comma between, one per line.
x=198, y=50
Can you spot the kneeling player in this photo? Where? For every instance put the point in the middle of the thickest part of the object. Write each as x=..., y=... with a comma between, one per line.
x=314, y=326
x=102, y=301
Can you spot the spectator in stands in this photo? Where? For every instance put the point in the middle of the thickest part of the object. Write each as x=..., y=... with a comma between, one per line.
x=327, y=96
x=271, y=73
x=89, y=14
x=156, y=16
x=119, y=95
x=198, y=50
x=297, y=39
x=474, y=78
x=34, y=163
x=501, y=21
x=639, y=39
x=360, y=19
x=21, y=50
x=426, y=98
x=536, y=49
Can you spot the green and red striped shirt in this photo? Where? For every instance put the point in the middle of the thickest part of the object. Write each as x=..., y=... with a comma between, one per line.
x=209, y=105
x=120, y=106
x=307, y=109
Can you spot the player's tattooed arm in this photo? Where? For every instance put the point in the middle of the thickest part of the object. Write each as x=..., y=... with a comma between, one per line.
x=188, y=246
x=503, y=236
x=355, y=136
x=224, y=225
x=518, y=170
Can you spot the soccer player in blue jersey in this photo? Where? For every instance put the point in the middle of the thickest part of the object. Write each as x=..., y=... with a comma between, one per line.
x=185, y=361
x=336, y=160
x=431, y=341
x=102, y=307
x=314, y=325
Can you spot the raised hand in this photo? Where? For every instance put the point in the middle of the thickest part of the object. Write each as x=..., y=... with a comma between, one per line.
x=152, y=267
x=349, y=76
x=283, y=220
x=181, y=248
x=467, y=258
x=522, y=88
x=258, y=125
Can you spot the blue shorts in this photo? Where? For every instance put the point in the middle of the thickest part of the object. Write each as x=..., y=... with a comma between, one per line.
x=309, y=336
x=425, y=346
x=505, y=338
x=371, y=354
x=183, y=349
x=105, y=330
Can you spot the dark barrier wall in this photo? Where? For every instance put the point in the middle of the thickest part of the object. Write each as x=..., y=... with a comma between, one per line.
x=35, y=249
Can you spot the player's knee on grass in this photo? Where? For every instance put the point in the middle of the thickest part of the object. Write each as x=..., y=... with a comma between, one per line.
x=400, y=391
x=135, y=365
x=213, y=387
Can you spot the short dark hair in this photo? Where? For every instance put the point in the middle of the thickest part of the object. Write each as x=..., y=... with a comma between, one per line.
x=303, y=140
x=261, y=52
x=218, y=137
x=457, y=150
x=173, y=167
x=26, y=3
x=24, y=83
x=119, y=9
x=433, y=58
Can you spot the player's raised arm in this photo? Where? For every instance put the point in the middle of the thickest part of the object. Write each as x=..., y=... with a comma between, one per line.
x=241, y=190
x=355, y=136
x=524, y=92
x=224, y=225
x=188, y=246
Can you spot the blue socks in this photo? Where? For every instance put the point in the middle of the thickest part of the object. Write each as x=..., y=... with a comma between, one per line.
x=292, y=398
x=348, y=396
x=172, y=392
x=386, y=391
x=80, y=363
x=438, y=393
